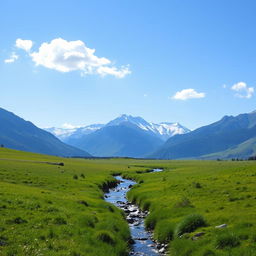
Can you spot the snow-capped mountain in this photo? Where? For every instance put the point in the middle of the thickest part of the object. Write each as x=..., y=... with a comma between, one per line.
x=163, y=130
x=166, y=130
x=124, y=136
x=61, y=133
x=65, y=133
x=81, y=131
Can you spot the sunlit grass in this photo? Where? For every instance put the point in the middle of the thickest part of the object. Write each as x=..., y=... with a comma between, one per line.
x=51, y=209
x=222, y=192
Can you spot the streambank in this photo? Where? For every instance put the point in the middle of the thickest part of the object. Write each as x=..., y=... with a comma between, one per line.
x=142, y=240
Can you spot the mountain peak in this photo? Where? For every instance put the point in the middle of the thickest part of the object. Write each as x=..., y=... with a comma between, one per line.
x=162, y=130
x=127, y=118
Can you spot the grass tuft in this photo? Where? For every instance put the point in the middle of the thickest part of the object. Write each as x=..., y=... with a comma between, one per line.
x=106, y=237
x=227, y=240
x=60, y=221
x=184, y=202
x=190, y=224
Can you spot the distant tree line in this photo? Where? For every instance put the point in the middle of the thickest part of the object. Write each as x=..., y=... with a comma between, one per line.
x=251, y=158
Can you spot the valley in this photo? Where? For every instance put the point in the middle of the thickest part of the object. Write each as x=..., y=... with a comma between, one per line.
x=59, y=209
x=127, y=128
x=232, y=137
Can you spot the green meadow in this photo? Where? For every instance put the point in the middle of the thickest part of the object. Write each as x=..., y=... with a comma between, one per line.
x=190, y=198
x=55, y=206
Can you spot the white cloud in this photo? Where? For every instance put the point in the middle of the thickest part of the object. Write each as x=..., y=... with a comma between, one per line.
x=24, y=44
x=12, y=58
x=188, y=94
x=243, y=91
x=66, y=56
x=122, y=72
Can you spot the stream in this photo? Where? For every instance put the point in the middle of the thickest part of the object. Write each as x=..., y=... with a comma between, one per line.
x=143, y=243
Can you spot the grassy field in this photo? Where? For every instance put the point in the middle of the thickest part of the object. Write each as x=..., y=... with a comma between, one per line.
x=187, y=192
x=50, y=209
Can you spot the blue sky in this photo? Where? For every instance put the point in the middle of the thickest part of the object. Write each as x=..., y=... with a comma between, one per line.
x=183, y=61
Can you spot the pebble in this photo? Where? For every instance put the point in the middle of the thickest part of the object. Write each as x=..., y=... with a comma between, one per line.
x=222, y=226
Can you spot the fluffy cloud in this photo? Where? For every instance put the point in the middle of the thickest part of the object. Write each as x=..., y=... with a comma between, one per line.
x=243, y=91
x=120, y=73
x=66, y=56
x=24, y=44
x=188, y=94
x=12, y=58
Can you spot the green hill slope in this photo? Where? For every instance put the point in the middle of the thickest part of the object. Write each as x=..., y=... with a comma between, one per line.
x=217, y=137
x=19, y=134
x=243, y=151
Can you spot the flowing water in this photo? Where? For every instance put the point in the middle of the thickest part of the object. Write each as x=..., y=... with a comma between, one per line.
x=143, y=243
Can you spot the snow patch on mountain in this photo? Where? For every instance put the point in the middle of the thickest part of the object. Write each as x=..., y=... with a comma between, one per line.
x=61, y=133
x=163, y=130
x=65, y=133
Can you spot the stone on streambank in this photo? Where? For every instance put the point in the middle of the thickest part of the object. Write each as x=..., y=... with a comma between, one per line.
x=162, y=250
x=133, y=213
x=222, y=226
x=197, y=235
x=134, y=217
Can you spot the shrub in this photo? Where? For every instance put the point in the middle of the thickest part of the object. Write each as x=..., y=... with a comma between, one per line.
x=253, y=238
x=12, y=252
x=17, y=220
x=42, y=237
x=105, y=236
x=145, y=206
x=208, y=252
x=110, y=208
x=245, y=225
x=75, y=254
x=227, y=240
x=60, y=221
x=243, y=236
x=83, y=203
x=75, y=177
x=88, y=220
x=3, y=240
x=190, y=224
x=164, y=231
x=197, y=185
x=150, y=221
x=182, y=247
x=52, y=209
x=51, y=234
x=185, y=202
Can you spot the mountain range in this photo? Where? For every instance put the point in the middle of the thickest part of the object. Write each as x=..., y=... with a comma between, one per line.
x=125, y=136
x=231, y=137
x=128, y=136
x=16, y=133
